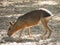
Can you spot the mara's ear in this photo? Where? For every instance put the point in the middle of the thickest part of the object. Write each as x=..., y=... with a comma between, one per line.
x=11, y=23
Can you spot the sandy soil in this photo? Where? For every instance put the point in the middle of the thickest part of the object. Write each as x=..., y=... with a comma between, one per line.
x=36, y=31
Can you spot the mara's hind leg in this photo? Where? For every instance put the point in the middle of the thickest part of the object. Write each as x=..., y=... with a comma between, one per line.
x=44, y=26
x=45, y=22
x=49, y=29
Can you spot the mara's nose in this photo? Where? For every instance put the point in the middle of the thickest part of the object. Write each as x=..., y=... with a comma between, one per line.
x=8, y=34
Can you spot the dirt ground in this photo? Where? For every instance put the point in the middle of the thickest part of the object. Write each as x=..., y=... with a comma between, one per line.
x=35, y=31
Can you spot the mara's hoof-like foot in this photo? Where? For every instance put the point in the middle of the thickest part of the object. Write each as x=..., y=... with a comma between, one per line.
x=30, y=36
x=43, y=37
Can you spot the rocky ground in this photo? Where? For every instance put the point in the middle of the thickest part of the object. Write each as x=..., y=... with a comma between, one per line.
x=7, y=14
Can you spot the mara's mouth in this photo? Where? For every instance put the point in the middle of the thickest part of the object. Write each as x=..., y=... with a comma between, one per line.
x=9, y=34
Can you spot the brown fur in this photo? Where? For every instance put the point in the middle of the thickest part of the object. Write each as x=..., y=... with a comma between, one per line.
x=30, y=19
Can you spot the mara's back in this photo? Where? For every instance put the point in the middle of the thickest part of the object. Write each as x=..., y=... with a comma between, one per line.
x=33, y=17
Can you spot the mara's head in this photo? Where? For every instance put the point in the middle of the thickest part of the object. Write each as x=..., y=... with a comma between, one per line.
x=10, y=30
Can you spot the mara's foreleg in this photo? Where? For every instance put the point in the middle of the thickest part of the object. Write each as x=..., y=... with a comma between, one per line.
x=29, y=31
x=45, y=24
x=21, y=32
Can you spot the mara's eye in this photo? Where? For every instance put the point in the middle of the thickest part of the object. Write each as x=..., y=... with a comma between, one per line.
x=9, y=28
